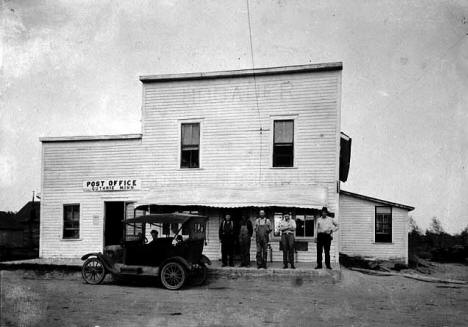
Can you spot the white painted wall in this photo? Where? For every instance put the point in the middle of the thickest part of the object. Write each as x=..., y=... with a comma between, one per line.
x=65, y=166
x=357, y=230
x=233, y=152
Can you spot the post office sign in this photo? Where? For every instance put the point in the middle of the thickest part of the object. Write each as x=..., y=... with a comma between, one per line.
x=111, y=184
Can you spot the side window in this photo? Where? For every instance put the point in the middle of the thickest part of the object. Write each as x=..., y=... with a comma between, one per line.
x=190, y=145
x=383, y=224
x=71, y=221
x=283, y=143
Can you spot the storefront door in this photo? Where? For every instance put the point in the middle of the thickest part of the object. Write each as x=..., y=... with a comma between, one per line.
x=114, y=213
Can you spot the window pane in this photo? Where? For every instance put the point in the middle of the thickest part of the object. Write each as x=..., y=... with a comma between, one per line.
x=276, y=221
x=300, y=226
x=189, y=159
x=71, y=221
x=284, y=131
x=383, y=210
x=309, y=226
x=190, y=134
x=283, y=156
x=166, y=229
x=383, y=224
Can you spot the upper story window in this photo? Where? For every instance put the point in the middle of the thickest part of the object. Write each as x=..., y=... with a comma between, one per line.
x=190, y=145
x=283, y=143
x=383, y=224
x=71, y=221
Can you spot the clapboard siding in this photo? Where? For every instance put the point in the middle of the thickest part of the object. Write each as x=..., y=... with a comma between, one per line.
x=213, y=247
x=233, y=151
x=65, y=166
x=357, y=226
x=232, y=110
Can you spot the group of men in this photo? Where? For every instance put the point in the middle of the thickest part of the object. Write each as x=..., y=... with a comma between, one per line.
x=326, y=225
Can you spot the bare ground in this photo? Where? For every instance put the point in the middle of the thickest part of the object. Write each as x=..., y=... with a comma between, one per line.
x=358, y=300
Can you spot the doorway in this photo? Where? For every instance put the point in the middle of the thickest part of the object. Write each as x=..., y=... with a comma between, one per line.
x=114, y=214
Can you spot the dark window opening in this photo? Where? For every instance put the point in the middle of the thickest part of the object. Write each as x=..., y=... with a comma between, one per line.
x=190, y=145
x=283, y=143
x=71, y=221
x=383, y=224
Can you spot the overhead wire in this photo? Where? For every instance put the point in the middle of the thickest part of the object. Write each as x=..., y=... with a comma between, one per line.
x=256, y=94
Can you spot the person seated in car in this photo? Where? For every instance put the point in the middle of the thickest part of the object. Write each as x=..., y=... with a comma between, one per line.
x=154, y=235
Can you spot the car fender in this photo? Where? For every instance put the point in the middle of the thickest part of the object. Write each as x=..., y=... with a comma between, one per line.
x=204, y=259
x=180, y=260
x=104, y=259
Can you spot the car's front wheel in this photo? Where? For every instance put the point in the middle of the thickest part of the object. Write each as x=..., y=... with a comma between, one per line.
x=93, y=271
x=173, y=275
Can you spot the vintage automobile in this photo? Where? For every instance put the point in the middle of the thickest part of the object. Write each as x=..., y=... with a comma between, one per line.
x=175, y=259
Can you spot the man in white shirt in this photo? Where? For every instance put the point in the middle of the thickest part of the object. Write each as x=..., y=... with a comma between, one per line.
x=326, y=225
x=287, y=227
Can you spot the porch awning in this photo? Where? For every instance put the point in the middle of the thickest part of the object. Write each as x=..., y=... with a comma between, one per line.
x=297, y=196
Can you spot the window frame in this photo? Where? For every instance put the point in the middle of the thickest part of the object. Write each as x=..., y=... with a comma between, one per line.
x=388, y=235
x=293, y=118
x=293, y=216
x=64, y=206
x=181, y=122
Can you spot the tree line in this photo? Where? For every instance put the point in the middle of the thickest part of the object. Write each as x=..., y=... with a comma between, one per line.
x=436, y=244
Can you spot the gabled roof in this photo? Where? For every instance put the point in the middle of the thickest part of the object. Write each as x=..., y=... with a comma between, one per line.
x=368, y=198
x=28, y=211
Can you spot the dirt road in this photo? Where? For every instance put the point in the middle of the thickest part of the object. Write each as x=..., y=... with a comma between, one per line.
x=358, y=300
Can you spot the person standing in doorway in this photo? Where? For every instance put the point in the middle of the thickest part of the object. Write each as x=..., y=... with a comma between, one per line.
x=287, y=228
x=226, y=237
x=326, y=225
x=262, y=232
x=245, y=235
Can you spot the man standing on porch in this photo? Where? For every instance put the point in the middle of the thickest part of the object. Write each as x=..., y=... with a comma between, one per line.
x=262, y=231
x=226, y=237
x=326, y=225
x=287, y=227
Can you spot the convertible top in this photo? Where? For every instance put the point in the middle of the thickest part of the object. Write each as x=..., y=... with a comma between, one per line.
x=164, y=218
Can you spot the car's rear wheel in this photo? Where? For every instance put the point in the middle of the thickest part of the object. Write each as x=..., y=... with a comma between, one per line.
x=199, y=276
x=173, y=275
x=93, y=271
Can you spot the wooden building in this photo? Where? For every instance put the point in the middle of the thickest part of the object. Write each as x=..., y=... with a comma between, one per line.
x=213, y=143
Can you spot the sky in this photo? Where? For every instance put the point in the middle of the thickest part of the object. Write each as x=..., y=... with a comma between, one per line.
x=72, y=68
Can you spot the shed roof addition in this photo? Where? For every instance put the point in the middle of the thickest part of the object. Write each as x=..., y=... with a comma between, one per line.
x=368, y=198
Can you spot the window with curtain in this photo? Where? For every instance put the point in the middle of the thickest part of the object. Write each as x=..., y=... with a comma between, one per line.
x=190, y=145
x=283, y=143
x=71, y=221
x=383, y=224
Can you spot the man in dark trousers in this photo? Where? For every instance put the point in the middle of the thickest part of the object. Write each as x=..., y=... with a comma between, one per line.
x=326, y=225
x=262, y=237
x=226, y=237
x=287, y=227
x=245, y=234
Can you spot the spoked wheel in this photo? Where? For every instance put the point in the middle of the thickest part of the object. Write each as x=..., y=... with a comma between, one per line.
x=199, y=276
x=93, y=271
x=173, y=275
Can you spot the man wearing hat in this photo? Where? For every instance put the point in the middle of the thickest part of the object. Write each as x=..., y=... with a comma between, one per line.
x=326, y=225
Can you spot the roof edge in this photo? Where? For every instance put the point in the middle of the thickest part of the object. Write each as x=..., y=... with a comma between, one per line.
x=90, y=138
x=365, y=197
x=331, y=66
